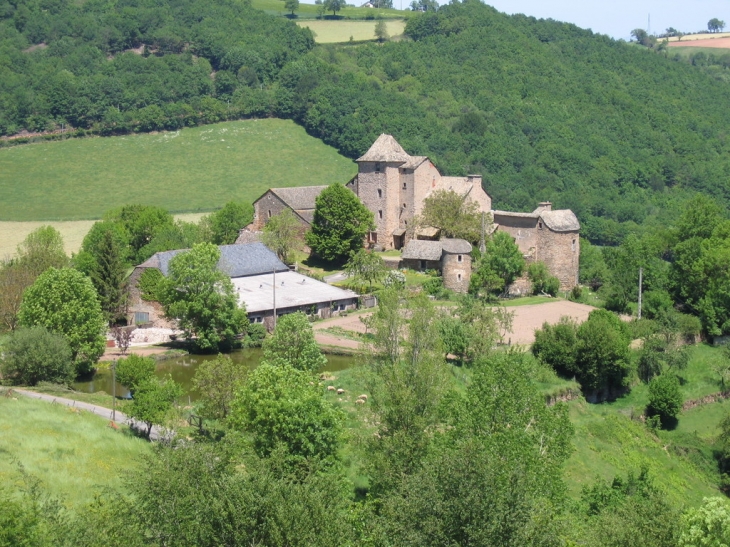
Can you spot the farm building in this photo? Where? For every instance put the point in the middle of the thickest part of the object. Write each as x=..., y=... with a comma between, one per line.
x=275, y=200
x=451, y=257
x=252, y=268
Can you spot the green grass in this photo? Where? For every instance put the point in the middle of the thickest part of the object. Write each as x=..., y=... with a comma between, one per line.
x=192, y=170
x=74, y=454
x=331, y=31
x=528, y=301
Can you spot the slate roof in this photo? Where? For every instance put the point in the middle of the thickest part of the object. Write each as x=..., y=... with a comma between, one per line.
x=563, y=220
x=302, y=197
x=417, y=249
x=235, y=261
x=456, y=246
x=386, y=149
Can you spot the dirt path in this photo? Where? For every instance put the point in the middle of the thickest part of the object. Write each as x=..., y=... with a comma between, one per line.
x=526, y=320
x=106, y=413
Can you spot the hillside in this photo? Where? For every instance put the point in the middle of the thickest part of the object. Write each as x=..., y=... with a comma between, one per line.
x=193, y=169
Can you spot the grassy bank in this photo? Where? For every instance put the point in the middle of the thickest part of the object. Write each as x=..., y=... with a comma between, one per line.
x=192, y=170
x=74, y=454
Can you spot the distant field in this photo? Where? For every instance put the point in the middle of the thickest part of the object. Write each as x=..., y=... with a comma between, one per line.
x=193, y=170
x=73, y=232
x=75, y=455
x=327, y=32
x=711, y=43
x=693, y=37
x=310, y=11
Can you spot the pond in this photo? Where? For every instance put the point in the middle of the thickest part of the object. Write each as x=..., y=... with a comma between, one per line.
x=182, y=369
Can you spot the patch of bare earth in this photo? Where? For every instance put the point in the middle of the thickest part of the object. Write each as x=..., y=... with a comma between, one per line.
x=718, y=43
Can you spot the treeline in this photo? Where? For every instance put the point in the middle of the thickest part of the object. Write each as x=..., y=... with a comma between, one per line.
x=63, y=62
x=544, y=110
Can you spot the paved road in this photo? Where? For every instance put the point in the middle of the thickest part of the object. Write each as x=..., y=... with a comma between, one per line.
x=335, y=278
x=104, y=412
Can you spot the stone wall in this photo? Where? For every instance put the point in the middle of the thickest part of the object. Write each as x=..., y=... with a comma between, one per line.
x=425, y=179
x=377, y=187
x=267, y=206
x=421, y=265
x=137, y=304
x=560, y=251
x=523, y=230
x=456, y=273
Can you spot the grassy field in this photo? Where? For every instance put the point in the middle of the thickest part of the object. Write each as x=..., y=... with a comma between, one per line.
x=75, y=455
x=330, y=31
x=193, y=170
x=73, y=231
x=311, y=11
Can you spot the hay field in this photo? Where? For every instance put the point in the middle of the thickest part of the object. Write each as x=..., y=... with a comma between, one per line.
x=702, y=36
x=73, y=232
x=330, y=31
x=192, y=170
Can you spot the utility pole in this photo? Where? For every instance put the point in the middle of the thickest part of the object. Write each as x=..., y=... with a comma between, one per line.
x=274, y=286
x=641, y=275
x=114, y=390
x=482, y=244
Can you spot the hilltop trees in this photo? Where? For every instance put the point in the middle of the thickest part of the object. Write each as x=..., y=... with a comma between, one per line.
x=715, y=25
x=202, y=299
x=340, y=224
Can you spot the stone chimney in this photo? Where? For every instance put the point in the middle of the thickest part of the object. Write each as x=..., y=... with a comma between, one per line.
x=474, y=179
x=544, y=206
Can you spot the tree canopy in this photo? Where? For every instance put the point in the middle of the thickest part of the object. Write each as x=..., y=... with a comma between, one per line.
x=293, y=344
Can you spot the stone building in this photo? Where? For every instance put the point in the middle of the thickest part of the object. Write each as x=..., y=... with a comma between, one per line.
x=545, y=236
x=451, y=257
x=394, y=185
x=300, y=200
x=264, y=284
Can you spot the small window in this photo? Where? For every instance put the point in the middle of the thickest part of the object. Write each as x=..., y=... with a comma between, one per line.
x=458, y=277
x=380, y=215
x=380, y=193
x=539, y=225
x=269, y=213
x=141, y=317
x=423, y=264
x=574, y=245
x=405, y=222
x=378, y=168
x=405, y=186
x=458, y=258
x=404, y=205
x=373, y=236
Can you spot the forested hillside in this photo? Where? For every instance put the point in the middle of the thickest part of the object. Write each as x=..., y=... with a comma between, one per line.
x=544, y=110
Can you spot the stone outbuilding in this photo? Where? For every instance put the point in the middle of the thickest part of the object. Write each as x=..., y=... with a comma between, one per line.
x=451, y=257
x=548, y=236
x=300, y=200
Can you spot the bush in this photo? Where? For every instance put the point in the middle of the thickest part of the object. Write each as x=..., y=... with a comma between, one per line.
x=576, y=293
x=542, y=281
x=665, y=398
x=394, y=279
x=555, y=345
x=255, y=335
x=134, y=370
x=656, y=304
x=34, y=354
x=433, y=286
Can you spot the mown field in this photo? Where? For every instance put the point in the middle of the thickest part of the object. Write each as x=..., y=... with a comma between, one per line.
x=74, y=454
x=72, y=231
x=328, y=31
x=193, y=170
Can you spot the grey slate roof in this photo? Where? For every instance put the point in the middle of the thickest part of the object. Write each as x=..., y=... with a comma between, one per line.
x=563, y=220
x=235, y=261
x=386, y=149
x=417, y=249
x=302, y=197
x=456, y=246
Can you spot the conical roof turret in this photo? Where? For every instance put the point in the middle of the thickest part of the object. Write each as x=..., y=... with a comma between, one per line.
x=385, y=149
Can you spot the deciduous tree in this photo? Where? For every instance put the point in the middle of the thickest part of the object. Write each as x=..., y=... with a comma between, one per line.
x=340, y=224
x=366, y=266
x=501, y=263
x=281, y=234
x=293, y=344
x=282, y=408
x=64, y=301
x=454, y=214
x=715, y=25
x=202, y=299
x=665, y=398
x=706, y=526
x=217, y=381
x=134, y=370
x=228, y=221
x=154, y=402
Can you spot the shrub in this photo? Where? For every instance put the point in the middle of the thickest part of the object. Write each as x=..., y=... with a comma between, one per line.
x=542, y=281
x=134, y=370
x=555, y=345
x=433, y=286
x=665, y=398
x=656, y=304
x=255, y=335
x=576, y=293
x=394, y=278
x=34, y=355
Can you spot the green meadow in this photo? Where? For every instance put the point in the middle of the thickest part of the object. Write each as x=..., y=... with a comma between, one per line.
x=192, y=170
x=74, y=454
x=330, y=31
